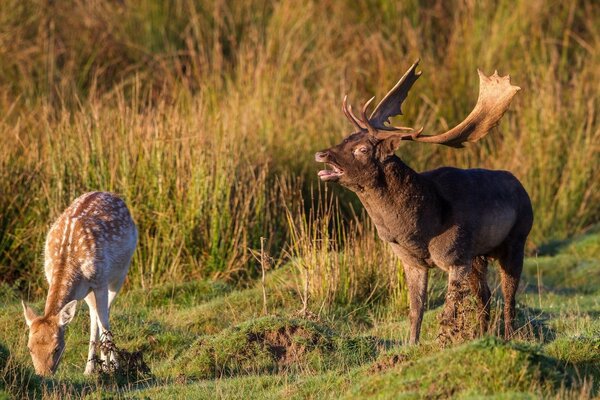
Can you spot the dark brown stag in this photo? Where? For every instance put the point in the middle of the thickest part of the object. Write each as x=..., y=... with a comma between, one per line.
x=451, y=218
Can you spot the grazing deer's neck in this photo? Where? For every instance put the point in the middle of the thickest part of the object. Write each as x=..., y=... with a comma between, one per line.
x=64, y=254
x=61, y=288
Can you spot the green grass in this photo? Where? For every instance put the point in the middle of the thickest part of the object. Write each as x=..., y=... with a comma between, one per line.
x=272, y=344
x=206, y=115
x=483, y=367
x=204, y=339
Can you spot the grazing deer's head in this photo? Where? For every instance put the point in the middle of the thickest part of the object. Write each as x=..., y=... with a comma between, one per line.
x=357, y=160
x=47, y=337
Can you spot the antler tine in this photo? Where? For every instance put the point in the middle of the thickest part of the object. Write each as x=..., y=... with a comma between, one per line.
x=347, y=110
x=365, y=119
x=358, y=120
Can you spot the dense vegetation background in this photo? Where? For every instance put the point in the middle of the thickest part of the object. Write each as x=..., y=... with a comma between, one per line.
x=205, y=116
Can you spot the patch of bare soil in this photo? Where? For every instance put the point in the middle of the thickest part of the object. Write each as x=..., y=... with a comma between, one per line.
x=458, y=319
x=287, y=344
x=386, y=363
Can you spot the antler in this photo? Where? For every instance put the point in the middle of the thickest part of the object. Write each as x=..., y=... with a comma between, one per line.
x=388, y=107
x=495, y=95
x=347, y=110
x=391, y=104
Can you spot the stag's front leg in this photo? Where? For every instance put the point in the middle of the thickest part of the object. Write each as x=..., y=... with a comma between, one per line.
x=458, y=289
x=416, y=280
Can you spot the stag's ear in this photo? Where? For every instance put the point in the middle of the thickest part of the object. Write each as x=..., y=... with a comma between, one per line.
x=388, y=146
x=67, y=313
x=30, y=315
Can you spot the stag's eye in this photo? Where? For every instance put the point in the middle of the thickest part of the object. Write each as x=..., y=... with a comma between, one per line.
x=361, y=150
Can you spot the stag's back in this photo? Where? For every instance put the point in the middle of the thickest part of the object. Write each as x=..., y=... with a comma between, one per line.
x=488, y=203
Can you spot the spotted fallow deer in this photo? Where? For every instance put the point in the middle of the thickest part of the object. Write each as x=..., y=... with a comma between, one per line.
x=451, y=218
x=87, y=254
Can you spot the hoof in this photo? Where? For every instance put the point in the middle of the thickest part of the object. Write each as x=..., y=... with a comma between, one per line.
x=90, y=368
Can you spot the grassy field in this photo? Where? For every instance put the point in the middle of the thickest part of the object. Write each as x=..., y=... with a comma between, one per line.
x=206, y=339
x=205, y=116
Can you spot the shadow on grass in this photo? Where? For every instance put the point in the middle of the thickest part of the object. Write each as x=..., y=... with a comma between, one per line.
x=531, y=324
x=20, y=382
x=16, y=379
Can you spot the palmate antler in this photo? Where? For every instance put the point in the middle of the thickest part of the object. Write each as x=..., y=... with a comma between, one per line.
x=495, y=95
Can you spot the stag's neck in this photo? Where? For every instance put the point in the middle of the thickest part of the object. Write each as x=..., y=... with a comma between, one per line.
x=401, y=203
x=398, y=185
x=63, y=287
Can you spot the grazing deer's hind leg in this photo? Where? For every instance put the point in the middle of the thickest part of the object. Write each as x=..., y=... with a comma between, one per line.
x=416, y=280
x=113, y=289
x=101, y=295
x=90, y=365
x=480, y=289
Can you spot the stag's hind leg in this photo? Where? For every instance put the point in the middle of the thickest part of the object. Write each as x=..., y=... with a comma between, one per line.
x=479, y=287
x=511, y=266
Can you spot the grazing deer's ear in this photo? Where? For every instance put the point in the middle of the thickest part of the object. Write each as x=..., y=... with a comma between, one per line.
x=67, y=313
x=29, y=313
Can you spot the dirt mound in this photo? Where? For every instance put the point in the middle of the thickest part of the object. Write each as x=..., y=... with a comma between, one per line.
x=287, y=344
x=272, y=345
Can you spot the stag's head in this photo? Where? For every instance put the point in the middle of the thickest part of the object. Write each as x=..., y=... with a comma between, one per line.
x=357, y=161
x=46, y=342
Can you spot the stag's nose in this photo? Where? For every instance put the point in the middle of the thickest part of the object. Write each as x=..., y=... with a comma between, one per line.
x=321, y=156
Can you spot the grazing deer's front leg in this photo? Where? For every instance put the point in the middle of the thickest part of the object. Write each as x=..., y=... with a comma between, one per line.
x=416, y=280
x=90, y=365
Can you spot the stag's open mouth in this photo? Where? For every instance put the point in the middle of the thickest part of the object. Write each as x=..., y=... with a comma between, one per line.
x=330, y=174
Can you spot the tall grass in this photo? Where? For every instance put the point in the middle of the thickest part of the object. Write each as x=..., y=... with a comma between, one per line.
x=340, y=261
x=197, y=111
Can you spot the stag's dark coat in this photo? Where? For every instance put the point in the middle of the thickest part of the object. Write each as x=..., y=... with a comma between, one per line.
x=451, y=218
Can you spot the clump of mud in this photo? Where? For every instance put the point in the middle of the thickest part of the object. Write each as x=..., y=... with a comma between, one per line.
x=123, y=365
x=458, y=320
